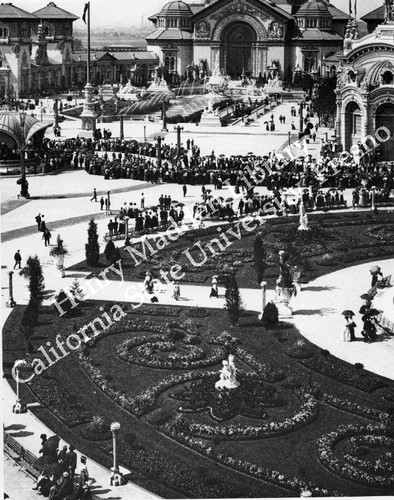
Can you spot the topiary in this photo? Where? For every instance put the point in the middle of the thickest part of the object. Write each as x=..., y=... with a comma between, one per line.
x=270, y=315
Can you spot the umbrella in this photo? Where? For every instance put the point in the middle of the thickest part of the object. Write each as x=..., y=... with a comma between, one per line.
x=208, y=190
x=250, y=153
x=229, y=199
x=180, y=205
x=366, y=296
x=371, y=312
x=347, y=312
x=374, y=270
x=174, y=201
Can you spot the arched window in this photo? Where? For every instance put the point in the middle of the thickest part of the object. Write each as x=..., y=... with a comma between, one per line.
x=333, y=71
x=5, y=32
x=1, y=32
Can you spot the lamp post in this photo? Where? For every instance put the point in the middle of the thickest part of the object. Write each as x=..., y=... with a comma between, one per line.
x=144, y=133
x=10, y=302
x=117, y=478
x=23, y=182
x=19, y=406
x=289, y=134
x=121, y=132
x=109, y=202
x=178, y=129
x=301, y=116
x=164, y=116
x=159, y=139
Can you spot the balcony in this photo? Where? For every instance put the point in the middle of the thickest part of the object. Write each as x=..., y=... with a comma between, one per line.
x=4, y=40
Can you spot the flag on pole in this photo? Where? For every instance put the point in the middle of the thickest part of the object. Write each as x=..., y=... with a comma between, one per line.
x=85, y=10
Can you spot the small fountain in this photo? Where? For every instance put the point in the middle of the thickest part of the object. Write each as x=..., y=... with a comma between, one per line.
x=129, y=93
x=228, y=378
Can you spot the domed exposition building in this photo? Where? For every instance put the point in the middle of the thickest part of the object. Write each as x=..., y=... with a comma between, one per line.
x=246, y=37
x=365, y=89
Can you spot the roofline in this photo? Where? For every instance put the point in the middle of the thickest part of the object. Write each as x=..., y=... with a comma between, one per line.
x=269, y=5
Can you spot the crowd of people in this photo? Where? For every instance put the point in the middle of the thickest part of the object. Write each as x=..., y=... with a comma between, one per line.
x=57, y=480
x=369, y=315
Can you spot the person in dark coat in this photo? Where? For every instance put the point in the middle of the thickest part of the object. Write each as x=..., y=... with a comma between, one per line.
x=38, y=220
x=101, y=203
x=47, y=237
x=71, y=462
x=17, y=259
x=42, y=225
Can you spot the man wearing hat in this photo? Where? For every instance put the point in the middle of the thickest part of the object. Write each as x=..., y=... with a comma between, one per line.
x=62, y=455
x=71, y=462
x=62, y=488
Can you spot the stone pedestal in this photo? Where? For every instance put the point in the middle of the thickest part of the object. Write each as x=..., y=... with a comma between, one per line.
x=88, y=116
x=263, y=285
x=117, y=478
x=282, y=299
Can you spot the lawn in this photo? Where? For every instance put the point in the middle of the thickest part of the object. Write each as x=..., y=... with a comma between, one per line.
x=290, y=423
x=336, y=241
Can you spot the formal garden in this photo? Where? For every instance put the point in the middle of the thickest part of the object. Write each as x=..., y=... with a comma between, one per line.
x=300, y=419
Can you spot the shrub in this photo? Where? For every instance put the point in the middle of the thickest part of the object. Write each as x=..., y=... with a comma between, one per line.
x=97, y=429
x=359, y=366
x=233, y=300
x=92, y=248
x=270, y=315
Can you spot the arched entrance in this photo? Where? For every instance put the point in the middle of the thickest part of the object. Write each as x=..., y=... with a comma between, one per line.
x=352, y=125
x=385, y=118
x=236, y=54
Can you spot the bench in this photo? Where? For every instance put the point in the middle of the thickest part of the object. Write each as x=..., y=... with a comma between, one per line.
x=27, y=460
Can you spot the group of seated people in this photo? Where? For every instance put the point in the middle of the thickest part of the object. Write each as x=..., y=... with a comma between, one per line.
x=58, y=472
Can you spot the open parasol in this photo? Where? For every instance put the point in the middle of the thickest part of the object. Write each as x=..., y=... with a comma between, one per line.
x=347, y=312
x=374, y=270
x=366, y=296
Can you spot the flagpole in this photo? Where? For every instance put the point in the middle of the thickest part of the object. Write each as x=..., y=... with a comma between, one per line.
x=88, y=60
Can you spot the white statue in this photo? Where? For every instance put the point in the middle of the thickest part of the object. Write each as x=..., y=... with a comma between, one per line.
x=303, y=218
x=228, y=378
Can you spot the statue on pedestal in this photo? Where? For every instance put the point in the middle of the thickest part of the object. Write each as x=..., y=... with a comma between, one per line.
x=228, y=379
x=303, y=218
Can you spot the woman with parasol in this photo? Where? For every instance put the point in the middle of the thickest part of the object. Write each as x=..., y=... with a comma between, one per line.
x=376, y=275
x=350, y=325
x=369, y=326
x=368, y=303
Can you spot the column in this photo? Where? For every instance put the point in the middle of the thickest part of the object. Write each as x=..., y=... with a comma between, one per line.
x=10, y=302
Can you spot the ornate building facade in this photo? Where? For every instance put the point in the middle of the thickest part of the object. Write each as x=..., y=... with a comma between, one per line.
x=246, y=37
x=36, y=55
x=365, y=89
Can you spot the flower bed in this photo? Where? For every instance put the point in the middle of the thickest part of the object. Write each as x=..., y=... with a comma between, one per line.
x=198, y=312
x=327, y=443
x=347, y=374
x=250, y=400
x=293, y=485
x=168, y=470
x=307, y=413
x=156, y=310
x=382, y=465
x=60, y=402
x=354, y=408
x=148, y=346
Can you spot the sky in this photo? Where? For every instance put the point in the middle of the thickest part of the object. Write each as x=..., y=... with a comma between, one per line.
x=130, y=12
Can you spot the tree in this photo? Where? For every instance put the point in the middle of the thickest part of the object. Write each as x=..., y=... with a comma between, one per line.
x=92, y=248
x=110, y=251
x=324, y=98
x=33, y=272
x=259, y=257
x=233, y=300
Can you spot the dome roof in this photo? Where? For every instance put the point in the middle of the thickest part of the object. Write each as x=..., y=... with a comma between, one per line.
x=314, y=7
x=10, y=124
x=176, y=8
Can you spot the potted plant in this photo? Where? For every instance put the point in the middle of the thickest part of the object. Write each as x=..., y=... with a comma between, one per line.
x=285, y=288
x=58, y=252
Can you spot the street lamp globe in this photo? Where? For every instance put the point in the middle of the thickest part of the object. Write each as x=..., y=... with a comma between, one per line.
x=115, y=426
